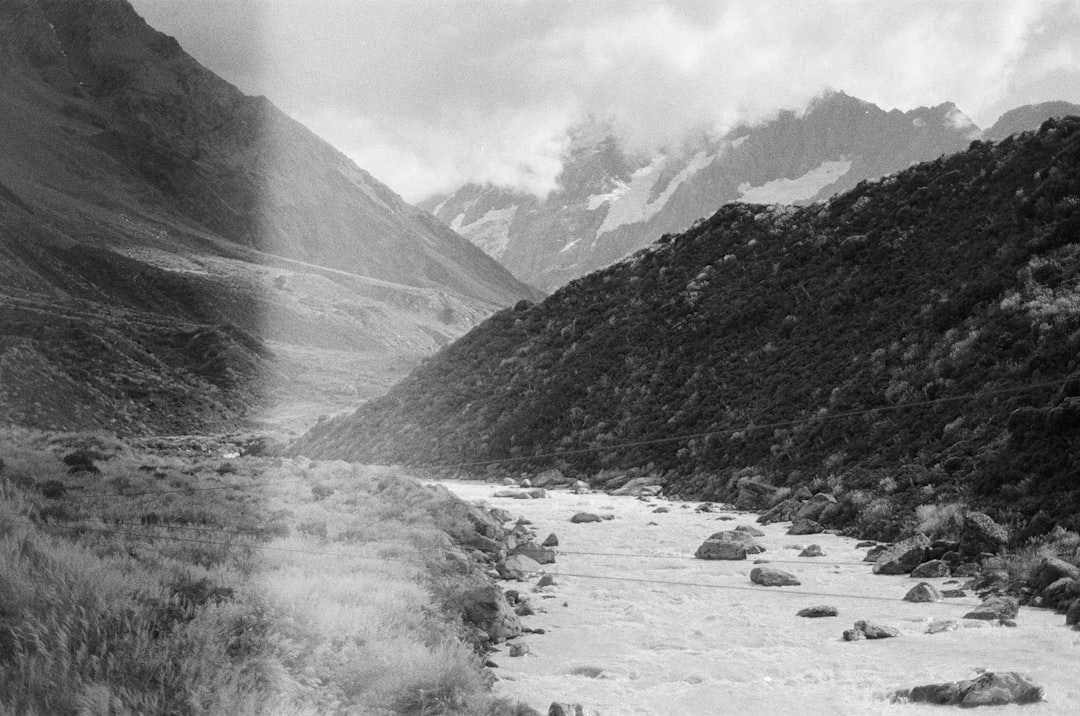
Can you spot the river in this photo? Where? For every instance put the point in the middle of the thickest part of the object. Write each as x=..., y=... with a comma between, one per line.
x=636, y=625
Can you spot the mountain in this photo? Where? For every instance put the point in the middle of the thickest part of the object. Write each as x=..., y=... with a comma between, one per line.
x=610, y=203
x=175, y=252
x=912, y=341
x=1027, y=117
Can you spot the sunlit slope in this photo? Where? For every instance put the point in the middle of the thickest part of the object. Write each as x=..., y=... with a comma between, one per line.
x=172, y=251
x=788, y=341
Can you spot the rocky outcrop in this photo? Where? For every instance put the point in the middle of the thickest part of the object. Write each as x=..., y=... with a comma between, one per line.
x=903, y=556
x=988, y=689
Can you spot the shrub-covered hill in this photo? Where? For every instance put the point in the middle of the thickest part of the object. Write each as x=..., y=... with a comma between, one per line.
x=917, y=336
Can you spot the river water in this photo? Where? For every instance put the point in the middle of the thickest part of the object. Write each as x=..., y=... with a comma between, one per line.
x=636, y=625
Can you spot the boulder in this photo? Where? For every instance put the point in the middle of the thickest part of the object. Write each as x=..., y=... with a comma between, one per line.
x=542, y=555
x=988, y=689
x=874, y=552
x=739, y=537
x=546, y=581
x=942, y=625
x=580, y=487
x=1051, y=569
x=816, y=612
x=662, y=509
x=903, y=556
x=518, y=566
x=782, y=512
x=873, y=630
x=754, y=495
x=582, y=517
x=853, y=635
x=953, y=593
x=1060, y=593
x=995, y=608
x=923, y=592
x=750, y=530
x=721, y=549
x=564, y=709
x=486, y=608
x=981, y=534
x=533, y=493
x=772, y=577
x=812, y=550
x=805, y=527
x=639, y=486
x=550, y=541
x=813, y=508
x=1072, y=616
x=519, y=649
x=549, y=478
x=933, y=568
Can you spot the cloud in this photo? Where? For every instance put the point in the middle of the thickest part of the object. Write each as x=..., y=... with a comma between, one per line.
x=428, y=94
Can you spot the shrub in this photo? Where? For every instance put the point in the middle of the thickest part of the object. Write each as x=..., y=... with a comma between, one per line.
x=944, y=521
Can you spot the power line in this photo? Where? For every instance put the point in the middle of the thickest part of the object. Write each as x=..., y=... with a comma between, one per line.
x=752, y=426
x=558, y=573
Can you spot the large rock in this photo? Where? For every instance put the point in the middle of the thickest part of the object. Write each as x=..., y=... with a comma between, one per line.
x=981, y=534
x=1052, y=569
x=639, y=486
x=873, y=630
x=754, y=495
x=550, y=478
x=813, y=508
x=903, y=556
x=1072, y=616
x=995, y=608
x=583, y=517
x=772, y=577
x=532, y=493
x=542, y=555
x=564, y=709
x=989, y=689
x=782, y=512
x=721, y=549
x=518, y=566
x=746, y=539
x=816, y=612
x=805, y=527
x=486, y=608
x=923, y=592
x=933, y=568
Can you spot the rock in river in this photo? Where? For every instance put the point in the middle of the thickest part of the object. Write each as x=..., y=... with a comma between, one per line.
x=772, y=577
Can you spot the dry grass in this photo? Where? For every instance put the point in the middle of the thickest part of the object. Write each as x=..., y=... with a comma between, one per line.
x=195, y=601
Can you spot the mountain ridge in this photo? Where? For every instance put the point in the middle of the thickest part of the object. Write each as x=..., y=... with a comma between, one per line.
x=609, y=202
x=899, y=336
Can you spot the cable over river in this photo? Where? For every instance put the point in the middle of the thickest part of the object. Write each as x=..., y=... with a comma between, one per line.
x=635, y=625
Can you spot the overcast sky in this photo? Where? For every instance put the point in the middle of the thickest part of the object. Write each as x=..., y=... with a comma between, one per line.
x=429, y=94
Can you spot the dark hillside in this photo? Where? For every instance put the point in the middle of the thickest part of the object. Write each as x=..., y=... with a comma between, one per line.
x=790, y=340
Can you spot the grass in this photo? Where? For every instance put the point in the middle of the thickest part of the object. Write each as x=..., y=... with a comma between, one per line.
x=139, y=590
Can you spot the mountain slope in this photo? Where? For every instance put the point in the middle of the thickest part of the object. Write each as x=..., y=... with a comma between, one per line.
x=610, y=203
x=174, y=254
x=917, y=336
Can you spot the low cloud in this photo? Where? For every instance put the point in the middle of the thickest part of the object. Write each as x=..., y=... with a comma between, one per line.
x=428, y=95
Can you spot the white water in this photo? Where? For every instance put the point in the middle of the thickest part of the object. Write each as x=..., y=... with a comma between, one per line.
x=729, y=646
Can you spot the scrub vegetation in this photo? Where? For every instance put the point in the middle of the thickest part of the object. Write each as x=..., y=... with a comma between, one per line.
x=911, y=342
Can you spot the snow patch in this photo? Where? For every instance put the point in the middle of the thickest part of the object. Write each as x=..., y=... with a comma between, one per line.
x=491, y=232
x=630, y=204
x=787, y=191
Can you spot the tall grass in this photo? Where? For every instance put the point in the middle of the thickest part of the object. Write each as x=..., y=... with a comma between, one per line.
x=193, y=601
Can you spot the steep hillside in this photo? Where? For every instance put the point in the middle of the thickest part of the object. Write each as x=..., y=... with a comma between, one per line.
x=916, y=337
x=1028, y=117
x=174, y=254
x=610, y=203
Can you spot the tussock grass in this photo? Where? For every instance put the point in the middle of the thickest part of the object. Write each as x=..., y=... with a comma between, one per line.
x=278, y=599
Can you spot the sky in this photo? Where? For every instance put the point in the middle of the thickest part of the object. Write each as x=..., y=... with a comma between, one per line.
x=430, y=94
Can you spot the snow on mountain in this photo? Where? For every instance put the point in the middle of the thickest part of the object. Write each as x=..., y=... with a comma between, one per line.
x=610, y=202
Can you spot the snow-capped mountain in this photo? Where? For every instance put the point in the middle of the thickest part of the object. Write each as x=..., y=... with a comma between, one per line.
x=610, y=203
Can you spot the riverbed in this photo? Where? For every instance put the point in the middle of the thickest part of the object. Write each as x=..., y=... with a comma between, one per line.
x=636, y=625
